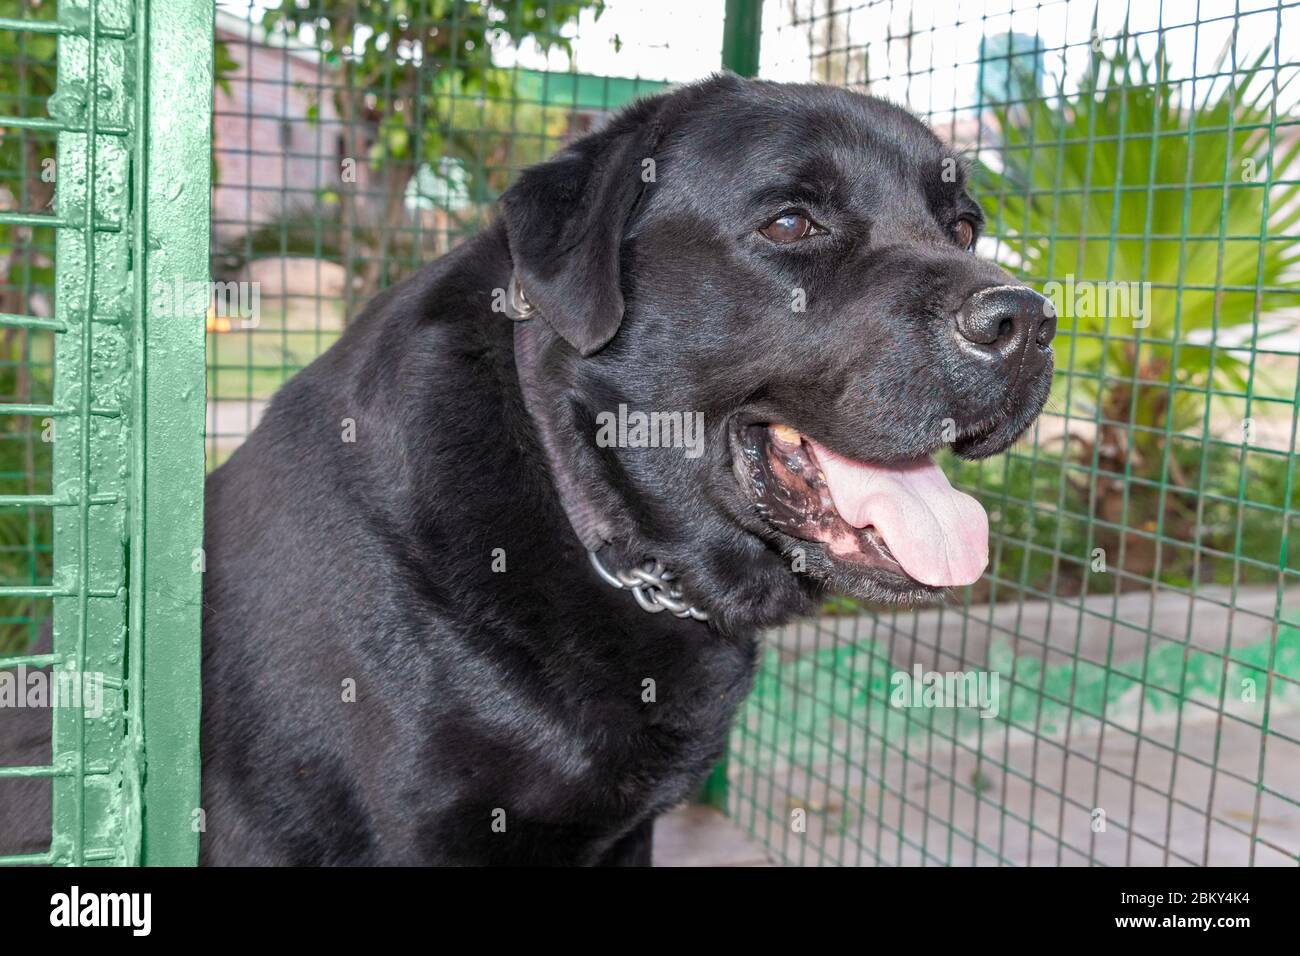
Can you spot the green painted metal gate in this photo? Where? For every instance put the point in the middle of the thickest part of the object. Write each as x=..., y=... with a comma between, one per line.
x=1140, y=619
x=106, y=103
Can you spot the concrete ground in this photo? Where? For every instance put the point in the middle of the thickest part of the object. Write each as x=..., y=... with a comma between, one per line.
x=698, y=835
x=1017, y=803
x=1172, y=777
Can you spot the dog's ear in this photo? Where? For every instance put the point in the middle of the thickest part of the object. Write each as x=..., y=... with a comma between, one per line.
x=565, y=220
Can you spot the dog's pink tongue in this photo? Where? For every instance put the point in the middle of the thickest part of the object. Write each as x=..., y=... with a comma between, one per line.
x=939, y=535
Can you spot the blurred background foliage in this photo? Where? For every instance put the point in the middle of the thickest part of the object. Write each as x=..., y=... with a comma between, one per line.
x=27, y=173
x=1134, y=178
x=411, y=87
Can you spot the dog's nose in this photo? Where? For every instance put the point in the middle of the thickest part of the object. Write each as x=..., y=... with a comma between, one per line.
x=1005, y=319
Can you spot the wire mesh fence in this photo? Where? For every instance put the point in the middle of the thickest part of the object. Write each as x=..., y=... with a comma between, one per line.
x=28, y=334
x=355, y=141
x=26, y=362
x=1132, y=656
x=1138, y=622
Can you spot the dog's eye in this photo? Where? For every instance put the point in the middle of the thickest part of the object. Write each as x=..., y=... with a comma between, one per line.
x=788, y=227
x=965, y=233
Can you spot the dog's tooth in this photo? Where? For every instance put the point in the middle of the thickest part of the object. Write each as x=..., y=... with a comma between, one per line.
x=785, y=435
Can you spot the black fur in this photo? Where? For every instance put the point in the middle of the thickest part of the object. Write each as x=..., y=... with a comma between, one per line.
x=518, y=695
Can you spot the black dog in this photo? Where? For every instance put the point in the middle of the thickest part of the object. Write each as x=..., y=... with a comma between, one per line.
x=409, y=657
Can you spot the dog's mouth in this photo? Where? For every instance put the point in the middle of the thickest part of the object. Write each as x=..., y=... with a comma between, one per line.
x=901, y=523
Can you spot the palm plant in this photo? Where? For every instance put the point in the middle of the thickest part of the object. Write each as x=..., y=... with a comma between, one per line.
x=1139, y=178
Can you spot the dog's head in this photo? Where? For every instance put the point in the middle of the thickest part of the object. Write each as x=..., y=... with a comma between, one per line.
x=794, y=264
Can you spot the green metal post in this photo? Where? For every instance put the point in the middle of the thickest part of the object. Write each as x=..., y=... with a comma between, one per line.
x=741, y=33
x=714, y=791
x=173, y=173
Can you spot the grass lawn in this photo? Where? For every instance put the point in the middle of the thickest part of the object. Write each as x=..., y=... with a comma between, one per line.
x=252, y=363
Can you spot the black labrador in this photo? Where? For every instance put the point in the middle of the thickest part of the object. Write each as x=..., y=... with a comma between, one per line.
x=484, y=585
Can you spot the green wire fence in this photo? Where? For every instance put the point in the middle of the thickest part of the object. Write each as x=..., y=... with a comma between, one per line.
x=1137, y=635
x=343, y=168
x=103, y=204
x=1137, y=162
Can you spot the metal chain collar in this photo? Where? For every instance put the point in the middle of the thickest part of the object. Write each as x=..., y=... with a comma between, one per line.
x=518, y=305
x=651, y=585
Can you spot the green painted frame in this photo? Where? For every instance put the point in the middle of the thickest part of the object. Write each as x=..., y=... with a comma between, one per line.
x=173, y=171
x=132, y=115
x=742, y=34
